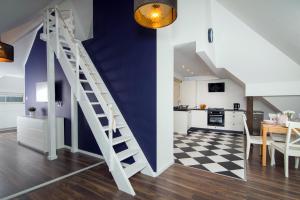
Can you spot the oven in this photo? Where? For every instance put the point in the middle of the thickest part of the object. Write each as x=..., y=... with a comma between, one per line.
x=216, y=117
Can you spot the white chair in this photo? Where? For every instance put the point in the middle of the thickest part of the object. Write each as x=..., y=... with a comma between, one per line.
x=290, y=148
x=253, y=139
x=276, y=137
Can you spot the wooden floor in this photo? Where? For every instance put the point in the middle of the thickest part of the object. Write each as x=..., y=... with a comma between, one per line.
x=180, y=182
x=22, y=168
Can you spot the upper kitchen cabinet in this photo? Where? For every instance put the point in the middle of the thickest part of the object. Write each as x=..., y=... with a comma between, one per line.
x=188, y=93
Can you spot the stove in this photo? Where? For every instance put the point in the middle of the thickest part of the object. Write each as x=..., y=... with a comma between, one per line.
x=216, y=117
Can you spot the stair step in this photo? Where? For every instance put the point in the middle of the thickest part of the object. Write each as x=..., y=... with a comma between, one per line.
x=94, y=103
x=83, y=80
x=101, y=115
x=121, y=139
x=134, y=168
x=104, y=92
x=126, y=154
x=104, y=115
x=89, y=91
x=106, y=128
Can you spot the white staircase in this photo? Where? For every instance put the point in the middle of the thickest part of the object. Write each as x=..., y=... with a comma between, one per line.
x=93, y=96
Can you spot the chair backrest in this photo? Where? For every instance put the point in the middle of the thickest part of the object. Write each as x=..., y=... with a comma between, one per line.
x=273, y=116
x=293, y=136
x=246, y=126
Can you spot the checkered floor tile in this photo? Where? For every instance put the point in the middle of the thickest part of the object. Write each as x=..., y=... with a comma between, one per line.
x=221, y=153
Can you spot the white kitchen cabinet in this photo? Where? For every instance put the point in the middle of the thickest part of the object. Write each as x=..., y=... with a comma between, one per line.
x=199, y=118
x=182, y=121
x=188, y=93
x=33, y=132
x=234, y=121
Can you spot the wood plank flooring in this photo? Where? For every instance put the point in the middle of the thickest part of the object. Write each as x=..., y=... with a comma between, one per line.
x=22, y=168
x=179, y=183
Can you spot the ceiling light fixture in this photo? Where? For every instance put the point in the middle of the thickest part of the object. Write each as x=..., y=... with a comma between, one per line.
x=155, y=13
x=183, y=66
x=6, y=52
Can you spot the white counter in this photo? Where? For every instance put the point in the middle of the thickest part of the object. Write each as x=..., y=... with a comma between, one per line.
x=181, y=121
x=33, y=132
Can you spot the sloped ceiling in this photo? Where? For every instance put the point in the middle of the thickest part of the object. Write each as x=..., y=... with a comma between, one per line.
x=275, y=20
x=187, y=63
x=16, y=12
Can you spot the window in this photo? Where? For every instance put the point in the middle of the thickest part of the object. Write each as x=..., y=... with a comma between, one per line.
x=2, y=99
x=11, y=98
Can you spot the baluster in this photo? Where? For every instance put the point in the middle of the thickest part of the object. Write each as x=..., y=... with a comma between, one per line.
x=57, y=32
x=110, y=135
x=77, y=71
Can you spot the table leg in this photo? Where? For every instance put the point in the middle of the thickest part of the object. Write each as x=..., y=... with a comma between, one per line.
x=264, y=147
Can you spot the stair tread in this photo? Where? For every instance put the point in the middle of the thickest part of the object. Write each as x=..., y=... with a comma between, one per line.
x=106, y=128
x=121, y=139
x=134, y=168
x=83, y=80
x=101, y=115
x=94, y=103
x=89, y=91
x=126, y=154
x=104, y=115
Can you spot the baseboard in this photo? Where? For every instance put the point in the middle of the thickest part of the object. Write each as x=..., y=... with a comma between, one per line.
x=6, y=130
x=86, y=152
x=159, y=172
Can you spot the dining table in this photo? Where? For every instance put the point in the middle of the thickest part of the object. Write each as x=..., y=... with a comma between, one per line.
x=271, y=128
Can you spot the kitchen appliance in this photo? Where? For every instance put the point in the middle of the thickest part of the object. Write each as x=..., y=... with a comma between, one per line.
x=236, y=106
x=216, y=117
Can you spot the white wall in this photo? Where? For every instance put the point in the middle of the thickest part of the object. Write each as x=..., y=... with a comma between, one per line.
x=250, y=57
x=286, y=103
x=165, y=67
x=9, y=113
x=12, y=85
x=83, y=17
x=260, y=105
x=22, y=49
x=195, y=92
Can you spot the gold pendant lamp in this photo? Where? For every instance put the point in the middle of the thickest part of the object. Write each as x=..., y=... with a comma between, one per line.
x=155, y=13
x=6, y=52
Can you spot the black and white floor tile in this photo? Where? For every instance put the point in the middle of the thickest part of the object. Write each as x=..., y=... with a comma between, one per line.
x=221, y=153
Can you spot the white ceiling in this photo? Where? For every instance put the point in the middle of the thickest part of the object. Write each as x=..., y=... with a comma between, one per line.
x=275, y=20
x=187, y=63
x=17, y=12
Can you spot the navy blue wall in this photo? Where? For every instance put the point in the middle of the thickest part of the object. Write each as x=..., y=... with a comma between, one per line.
x=125, y=56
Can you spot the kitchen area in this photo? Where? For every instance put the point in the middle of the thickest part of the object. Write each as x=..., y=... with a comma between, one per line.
x=216, y=104
x=208, y=125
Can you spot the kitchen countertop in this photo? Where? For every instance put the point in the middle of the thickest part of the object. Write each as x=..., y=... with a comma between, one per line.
x=229, y=110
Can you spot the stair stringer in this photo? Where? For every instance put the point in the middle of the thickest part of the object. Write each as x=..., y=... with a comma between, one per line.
x=117, y=170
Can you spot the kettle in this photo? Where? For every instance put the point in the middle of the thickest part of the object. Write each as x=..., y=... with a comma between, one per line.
x=236, y=106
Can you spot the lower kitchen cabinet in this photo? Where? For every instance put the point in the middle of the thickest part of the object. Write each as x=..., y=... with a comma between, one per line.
x=234, y=120
x=199, y=118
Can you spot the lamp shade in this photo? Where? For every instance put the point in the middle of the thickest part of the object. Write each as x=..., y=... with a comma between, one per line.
x=6, y=52
x=155, y=13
